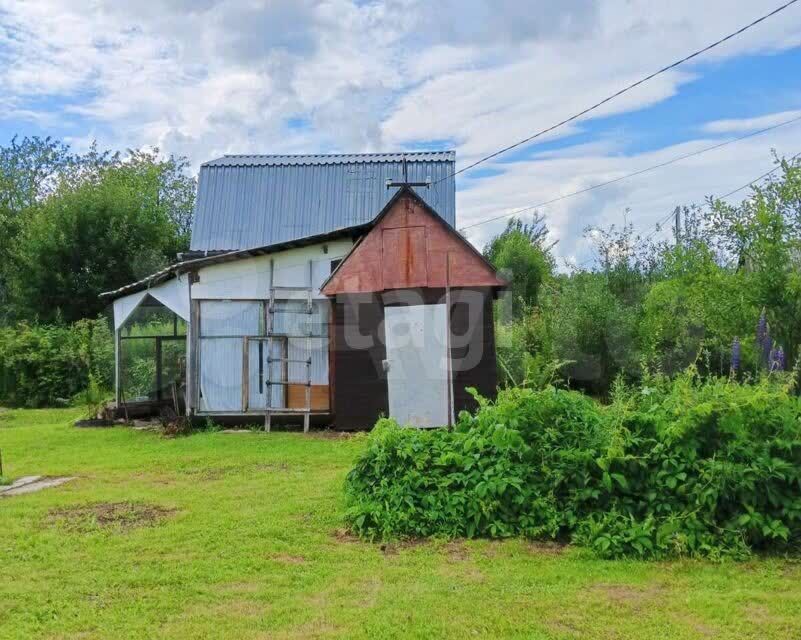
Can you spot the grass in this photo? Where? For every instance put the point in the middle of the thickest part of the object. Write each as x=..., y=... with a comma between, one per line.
x=239, y=536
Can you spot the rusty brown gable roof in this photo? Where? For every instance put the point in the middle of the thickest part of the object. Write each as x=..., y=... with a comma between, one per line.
x=410, y=192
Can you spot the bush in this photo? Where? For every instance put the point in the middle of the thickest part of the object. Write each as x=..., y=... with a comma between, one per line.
x=693, y=468
x=42, y=365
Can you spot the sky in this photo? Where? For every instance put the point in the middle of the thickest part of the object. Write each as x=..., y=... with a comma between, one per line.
x=202, y=78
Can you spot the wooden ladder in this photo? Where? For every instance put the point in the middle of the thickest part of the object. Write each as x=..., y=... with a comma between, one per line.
x=307, y=335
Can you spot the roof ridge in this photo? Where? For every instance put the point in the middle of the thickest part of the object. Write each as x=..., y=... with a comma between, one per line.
x=232, y=159
x=344, y=153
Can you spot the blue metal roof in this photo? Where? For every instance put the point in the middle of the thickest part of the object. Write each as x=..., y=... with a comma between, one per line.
x=248, y=201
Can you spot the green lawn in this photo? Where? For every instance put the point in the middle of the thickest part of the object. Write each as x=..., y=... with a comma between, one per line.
x=247, y=543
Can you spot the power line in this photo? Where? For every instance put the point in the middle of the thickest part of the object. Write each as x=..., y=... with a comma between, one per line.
x=633, y=174
x=621, y=91
x=657, y=227
x=755, y=180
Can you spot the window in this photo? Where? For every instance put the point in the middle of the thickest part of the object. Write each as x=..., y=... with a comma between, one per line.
x=335, y=263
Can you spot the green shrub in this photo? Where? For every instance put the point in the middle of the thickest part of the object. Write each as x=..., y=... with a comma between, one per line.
x=42, y=365
x=691, y=468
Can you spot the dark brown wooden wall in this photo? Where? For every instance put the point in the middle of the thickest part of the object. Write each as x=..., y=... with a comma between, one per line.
x=359, y=384
x=480, y=345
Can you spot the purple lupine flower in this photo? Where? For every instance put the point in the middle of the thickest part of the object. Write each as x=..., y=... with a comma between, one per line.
x=735, y=355
x=762, y=328
x=780, y=359
x=767, y=347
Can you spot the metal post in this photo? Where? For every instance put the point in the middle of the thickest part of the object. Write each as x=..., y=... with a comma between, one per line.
x=268, y=320
x=158, y=369
x=245, y=373
x=117, y=367
x=309, y=310
x=449, y=357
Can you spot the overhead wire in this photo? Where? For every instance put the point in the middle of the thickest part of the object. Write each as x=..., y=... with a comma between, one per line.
x=755, y=180
x=620, y=92
x=658, y=225
x=632, y=174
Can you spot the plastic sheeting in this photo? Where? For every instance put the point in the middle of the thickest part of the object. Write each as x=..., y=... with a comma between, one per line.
x=259, y=391
x=291, y=318
x=221, y=357
x=298, y=350
x=224, y=323
x=125, y=306
x=173, y=294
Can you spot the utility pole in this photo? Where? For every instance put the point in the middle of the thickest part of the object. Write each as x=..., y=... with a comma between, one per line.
x=677, y=223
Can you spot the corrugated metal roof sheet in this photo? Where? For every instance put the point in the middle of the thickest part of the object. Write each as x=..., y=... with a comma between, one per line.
x=252, y=201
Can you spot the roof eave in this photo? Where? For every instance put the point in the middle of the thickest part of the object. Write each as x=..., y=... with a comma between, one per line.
x=219, y=258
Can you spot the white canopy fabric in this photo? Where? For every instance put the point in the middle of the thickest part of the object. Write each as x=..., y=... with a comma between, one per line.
x=173, y=294
x=125, y=306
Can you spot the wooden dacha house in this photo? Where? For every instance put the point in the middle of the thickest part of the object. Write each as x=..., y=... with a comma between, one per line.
x=328, y=289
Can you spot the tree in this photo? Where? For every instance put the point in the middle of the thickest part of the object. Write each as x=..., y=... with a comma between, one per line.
x=520, y=252
x=761, y=238
x=29, y=169
x=96, y=234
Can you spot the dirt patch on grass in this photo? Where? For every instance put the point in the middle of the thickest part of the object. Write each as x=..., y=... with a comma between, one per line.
x=238, y=588
x=760, y=615
x=546, y=548
x=287, y=558
x=496, y=548
x=792, y=569
x=456, y=551
x=119, y=516
x=395, y=547
x=210, y=474
x=328, y=434
x=633, y=596
x=565, y=628
x=345, y=536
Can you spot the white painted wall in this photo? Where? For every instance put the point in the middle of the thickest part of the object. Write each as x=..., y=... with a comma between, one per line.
x=245, y=279
x=249, y=278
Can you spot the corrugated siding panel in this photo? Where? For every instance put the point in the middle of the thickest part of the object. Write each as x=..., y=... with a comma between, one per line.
x=246, y=202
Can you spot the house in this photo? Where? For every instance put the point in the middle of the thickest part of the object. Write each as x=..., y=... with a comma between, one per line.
x=327, y=288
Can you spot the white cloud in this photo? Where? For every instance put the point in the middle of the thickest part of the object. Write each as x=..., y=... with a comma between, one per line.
x=642, y=200
x=206, y=77
x=750, y=124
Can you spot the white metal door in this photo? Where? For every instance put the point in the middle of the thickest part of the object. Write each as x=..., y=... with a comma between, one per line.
x=417, y=373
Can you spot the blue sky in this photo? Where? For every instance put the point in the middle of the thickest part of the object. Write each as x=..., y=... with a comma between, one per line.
x=204, y=77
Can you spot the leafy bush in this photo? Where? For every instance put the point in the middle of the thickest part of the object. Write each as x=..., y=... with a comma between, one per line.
x=675, y=468
x=42, y=365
